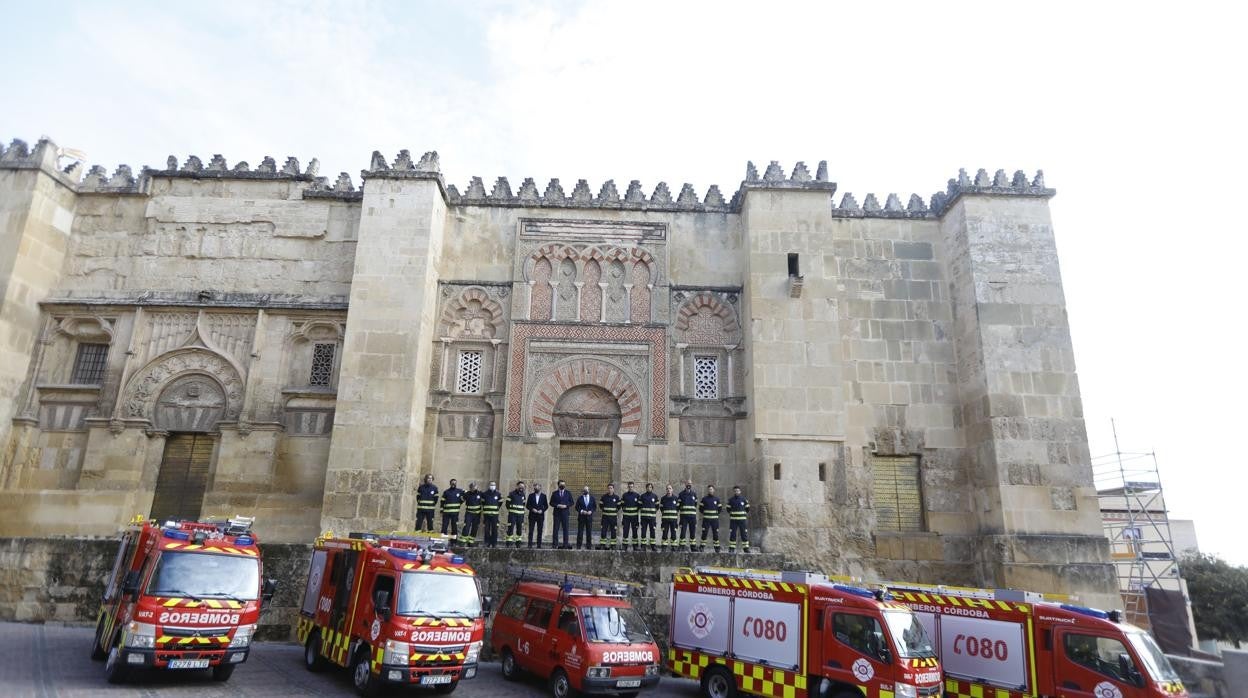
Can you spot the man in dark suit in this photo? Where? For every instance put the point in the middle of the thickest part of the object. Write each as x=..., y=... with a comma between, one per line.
x=561, y=502
x=537, y=505
x=585, y=506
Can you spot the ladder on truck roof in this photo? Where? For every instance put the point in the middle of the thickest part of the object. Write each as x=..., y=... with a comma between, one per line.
x=790, y=576
x=1011, y=595
x=609, y=587
x=401, y=540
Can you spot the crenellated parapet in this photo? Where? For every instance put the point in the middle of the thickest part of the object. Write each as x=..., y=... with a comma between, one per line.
x=218, y=168
x=996, y=185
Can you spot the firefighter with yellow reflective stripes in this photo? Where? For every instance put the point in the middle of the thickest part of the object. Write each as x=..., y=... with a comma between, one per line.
x=452, y=502
x=688, y=516
x=491, y=503
x=630, y=505
x=669, y=512
x=738, y=520
x=515, y=515
x=426, y=503
x=609, y=503
x=649, y=512
x=710, y=508
x=472, y=514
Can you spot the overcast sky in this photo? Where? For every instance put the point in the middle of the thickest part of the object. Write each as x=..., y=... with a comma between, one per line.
x=1134, y=111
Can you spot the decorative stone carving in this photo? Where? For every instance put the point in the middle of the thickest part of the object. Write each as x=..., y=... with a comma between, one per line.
x=587, y=411
x=473, y=315
x=704, y=319
x=578, y=376
x=191, y=403
x=139, y=397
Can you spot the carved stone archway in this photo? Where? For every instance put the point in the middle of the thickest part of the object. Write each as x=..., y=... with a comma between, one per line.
x=613, y=381
x=193, y=402
x=152, y=381
x=587, y=412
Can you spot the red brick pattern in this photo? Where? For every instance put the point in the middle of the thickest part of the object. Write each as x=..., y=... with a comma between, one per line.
x=540, y=302
x=591, y=293
x=641, y=293
x=655, y=337
x=585, y=372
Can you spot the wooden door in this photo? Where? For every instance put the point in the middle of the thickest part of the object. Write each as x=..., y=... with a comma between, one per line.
x=585, y=463
x=183, y=477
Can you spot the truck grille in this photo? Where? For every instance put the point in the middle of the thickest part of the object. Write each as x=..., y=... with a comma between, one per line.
x=195, y=632
x=931, y=690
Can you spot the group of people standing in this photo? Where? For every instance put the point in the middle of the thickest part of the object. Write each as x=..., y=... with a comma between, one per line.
x=643, y=520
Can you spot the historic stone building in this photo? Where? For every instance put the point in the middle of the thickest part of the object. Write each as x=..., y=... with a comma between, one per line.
x=893, y=383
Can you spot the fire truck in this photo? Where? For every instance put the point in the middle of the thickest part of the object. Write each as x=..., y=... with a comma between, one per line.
x=577, y=631
x=1009, y=644
x=796, y=634
x=395, y=609
x=183, y=595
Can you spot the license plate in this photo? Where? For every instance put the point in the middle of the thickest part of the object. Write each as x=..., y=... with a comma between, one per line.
x=188, y=663
x=435, y=679
x=628, y=683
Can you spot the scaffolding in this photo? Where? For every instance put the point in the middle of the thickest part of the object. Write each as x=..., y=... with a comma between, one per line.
x=1137, y=523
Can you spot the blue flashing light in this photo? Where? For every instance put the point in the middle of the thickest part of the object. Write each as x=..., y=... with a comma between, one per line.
x=405, y=554
x=243, y=540
x=856, y=591
x=1084, y=610
x=457, y=560
x=567, y=588
x=177, y=535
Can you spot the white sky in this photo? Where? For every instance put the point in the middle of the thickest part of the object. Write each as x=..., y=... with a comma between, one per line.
x=1135, y=111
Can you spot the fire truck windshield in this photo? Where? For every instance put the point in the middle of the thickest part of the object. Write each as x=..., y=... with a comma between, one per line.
x=614, y=625
x=435, y=594
x=908, y=634
x=206, y=575
x=1152, y=657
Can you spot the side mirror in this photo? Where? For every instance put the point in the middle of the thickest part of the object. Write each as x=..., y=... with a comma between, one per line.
x=1127, y=670
x=268, y=589
x=886, y=655
x=381, y=603
x=130, y=584
x=487, y=606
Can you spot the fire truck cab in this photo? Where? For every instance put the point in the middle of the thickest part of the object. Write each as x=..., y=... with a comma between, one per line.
x=794, y=635
x=1008, y=644
x=396, y=609
x=577, y=631
x=183, y=595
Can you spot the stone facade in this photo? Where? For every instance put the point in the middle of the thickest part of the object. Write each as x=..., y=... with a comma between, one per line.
x=335, y=345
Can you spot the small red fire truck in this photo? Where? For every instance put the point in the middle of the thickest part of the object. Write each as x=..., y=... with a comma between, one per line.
x=577, y=631
x=1008, y=644
x=395, y=608
x=185, y=595
x=794, y=635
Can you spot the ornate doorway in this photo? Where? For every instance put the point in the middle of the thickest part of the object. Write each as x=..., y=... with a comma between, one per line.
x=183, y=477
x=587, y=419
x=585, y=463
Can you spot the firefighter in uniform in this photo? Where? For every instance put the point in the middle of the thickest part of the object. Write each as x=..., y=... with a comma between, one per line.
x=738, y=518
x=710, y=517
x=472, y=514
x=630, y=504
x=452, y=502
x=426, y=502
x=491, y=502
x=669, y=512
x=561, y=502
x=649, y=510
x=585, y=507
x=515, y=515
x=688, y=516
x=609, y=503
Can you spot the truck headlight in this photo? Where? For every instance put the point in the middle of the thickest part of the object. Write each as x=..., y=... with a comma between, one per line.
x=141, y=635
x=598, y=672
x=474, y=652
x=652, y=670
x=242, y=636
x=905, y=690
x=396, y=653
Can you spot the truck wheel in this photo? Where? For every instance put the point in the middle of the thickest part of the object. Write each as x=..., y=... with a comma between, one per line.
x=560, y=685
x=115, y=668
x=312, y=659
x=718, y=683
x=97, y=645
x=223, y=672
x=511, y=672
x=362, y=676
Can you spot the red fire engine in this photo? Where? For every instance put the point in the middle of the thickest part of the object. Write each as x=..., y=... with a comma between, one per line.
x=1008, y=644
x=396, y=609
x=578, y=631
x=796, y=634
x=185, y=595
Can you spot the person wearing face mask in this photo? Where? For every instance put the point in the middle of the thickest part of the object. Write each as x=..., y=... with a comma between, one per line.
x=452, y=502
x=688, y=516
x=669, y=508
x=426, y=503
x=491, y=502
x=537, y=505
x=649, y=512
x=473, y=503
x=585, y=507
x=561, y=502
x=610, y=505
x=515, y=515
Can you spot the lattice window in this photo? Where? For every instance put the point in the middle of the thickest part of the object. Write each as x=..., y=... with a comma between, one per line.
x=706, y=377
x=468, y=379
x=322, y=372
x=89, y=364
x=898, y=496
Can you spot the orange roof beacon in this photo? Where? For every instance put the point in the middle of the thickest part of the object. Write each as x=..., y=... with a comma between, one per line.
x=577, y=631
x=1007, y=644
x=794, y=635
x=183, y=595
x=394, y=608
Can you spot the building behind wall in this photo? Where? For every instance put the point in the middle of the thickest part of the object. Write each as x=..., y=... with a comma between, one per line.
x=893, y=383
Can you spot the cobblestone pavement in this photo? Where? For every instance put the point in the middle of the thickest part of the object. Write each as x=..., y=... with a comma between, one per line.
x=53, y=660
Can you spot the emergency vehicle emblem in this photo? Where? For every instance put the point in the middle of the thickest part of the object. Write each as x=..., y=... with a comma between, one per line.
x=701, y=621
x=863, y=671
x=1106, y=689
x=375, y=630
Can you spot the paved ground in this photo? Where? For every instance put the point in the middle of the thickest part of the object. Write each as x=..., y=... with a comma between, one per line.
x=51, y=660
